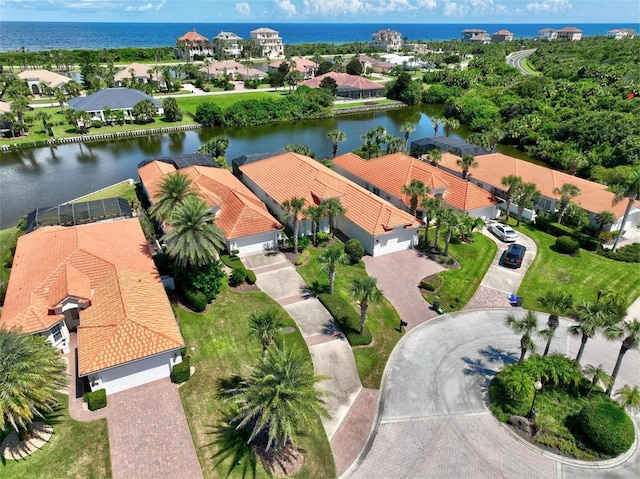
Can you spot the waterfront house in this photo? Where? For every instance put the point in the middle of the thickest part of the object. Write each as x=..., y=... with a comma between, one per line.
x=38, y=80
x=349, y=86
x=502, y=36
x=137, y=73
x=227, y=44
x=547, y=34
x=96, y=281
x=268, y=42
x=381, y=227
x=193, y=46
x=475, y=35
x=570, y=33
x=378, y=65
x=307, y=68
x=386, y=40
x=115, y=98
x=386, y=175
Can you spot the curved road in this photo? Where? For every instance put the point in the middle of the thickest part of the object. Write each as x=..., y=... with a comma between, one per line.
x=515, y=60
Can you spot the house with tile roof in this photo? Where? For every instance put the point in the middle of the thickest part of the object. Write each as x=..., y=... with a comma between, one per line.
x=593, y=197
x=569, y=33
x=247, y=225
x=37, y=79
x=233, y=70
x=98, y=281
x=306, y=67
x=268, y=42
x=502, y=36
x=547, y=34
x=387, y=175
x=192, y=45
x=473, y=34
x=349, y=86
x=386, y=40
x=381, y=227
x=115, y=98
x=378, y=65
x=136, y=73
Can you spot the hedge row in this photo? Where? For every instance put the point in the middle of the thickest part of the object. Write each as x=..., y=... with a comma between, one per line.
x=347, y=318
x=629, y=253
x=195, y=300
x=96, y=399
x=555, y=229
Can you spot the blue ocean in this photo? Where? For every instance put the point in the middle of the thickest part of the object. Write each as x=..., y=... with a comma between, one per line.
x=36, y=36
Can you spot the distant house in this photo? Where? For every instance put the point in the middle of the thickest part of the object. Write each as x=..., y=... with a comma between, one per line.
x=386, y=40
x=192, y=45
x=349, y=86
x=136, y=73
x=570, y=33
x=387, y=175
x=475, y=35
x=502, y=36
x=418, y=47
x=378, y=65
x=233, y=70
x=620, y=34
x=38, y=79
x=547, y=34
x=381, y=227
x=115, y=98
x=227, y=44
x=445, y=144
x=268, y=42
x=247, y=225
x=307, y=68
x=97, y=279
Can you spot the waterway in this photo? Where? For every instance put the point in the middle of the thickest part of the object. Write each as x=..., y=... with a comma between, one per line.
x=41, y=177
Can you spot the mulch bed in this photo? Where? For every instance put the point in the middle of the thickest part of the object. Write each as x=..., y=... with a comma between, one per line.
x=245, y=288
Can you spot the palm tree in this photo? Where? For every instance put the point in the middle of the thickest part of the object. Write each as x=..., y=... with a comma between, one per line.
x=294, y=209
x=31, y=371
x=436, y=121
x=416, y=190
x=597, y=375
x=629, y=397
x=395, y=144
x=43, y=116
x=172, y=190
x=435, y=156
x=518, y=382
x=279, y=398
x=9, y=119
x=512, y=182
x=315, y=214
x=590, y=317
x=450, y=124
x=334, y=209
x=573, y=160
x=557, y=302
x=263, y=325
x=566, y=192
x=526, y=326
x=336, y=137
x=630, y=330
x=527, y=194
x=407, y=128
x=329, y=259
x=451, y=222
x=365, y=290
x=465, y=163
x=604, y=218
x=430, y=206
x=194, y=239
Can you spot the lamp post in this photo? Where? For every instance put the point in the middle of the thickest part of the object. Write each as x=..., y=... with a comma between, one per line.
x=537, y=386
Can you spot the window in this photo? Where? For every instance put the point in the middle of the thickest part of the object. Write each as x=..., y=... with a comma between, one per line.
x=376, y=191
x=57, y=332
x=388, y=198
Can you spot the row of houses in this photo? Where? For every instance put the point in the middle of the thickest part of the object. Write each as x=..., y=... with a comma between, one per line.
x=191, y=45
x=478, y=35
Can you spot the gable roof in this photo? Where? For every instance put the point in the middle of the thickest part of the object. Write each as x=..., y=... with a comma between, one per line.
x=593, y=197
x=241, y=212
x=311, y=180
x=344, y=80
x=114, y=98
x=391, y=172
x=54, y=79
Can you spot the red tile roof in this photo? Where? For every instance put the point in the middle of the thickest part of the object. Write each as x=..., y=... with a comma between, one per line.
x=289, y=174
x=344, y=79
x=193, y=36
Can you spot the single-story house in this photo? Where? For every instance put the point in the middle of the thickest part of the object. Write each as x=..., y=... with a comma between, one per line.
x=593, y=197
x=137, y=73
x=349, y=86
x=386, y=175
x=233, y=70
x=446, y=144
x=115, y=98
x=37, y=79
x=97, y=279
x=378, y=65
x=307, y=68
x=381, y=227
x=247, y=225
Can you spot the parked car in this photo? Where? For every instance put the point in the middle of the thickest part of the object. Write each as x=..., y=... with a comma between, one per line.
x=514, y=255
x=503, y=232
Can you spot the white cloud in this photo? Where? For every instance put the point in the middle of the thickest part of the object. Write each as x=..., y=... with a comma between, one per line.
x=549, y=6
x=139, y=8
x=428, y=4
x=287, y=7
x=453, y=9
x=243, y=9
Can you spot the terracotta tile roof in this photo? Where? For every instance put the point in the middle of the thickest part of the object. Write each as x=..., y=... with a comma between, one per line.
x=391, y=172
x=309, y=179
x=593, y=197
x=193, y=36
x=55, y=262
x=52, y=78
x=344, y=80
x=302, y=64
x=241, y=212
x=231, y=66
x=139, y=70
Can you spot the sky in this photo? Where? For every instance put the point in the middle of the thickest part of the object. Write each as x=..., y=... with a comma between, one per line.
x=319, y=11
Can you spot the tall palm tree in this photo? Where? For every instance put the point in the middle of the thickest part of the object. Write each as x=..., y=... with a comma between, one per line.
x=630, y=332
x=172, y=190
x=527, y=194
x=629, y=397
x=416, y=190
x=194, y=239
x=31, y=371
x=264, y=325
x=566, y=192
x=329, y=259
x=43, y=116
x=451, y=222
x=465, y=163
x=279, y=398
x=334, y=209
x=557, y=302
x=590, y=317
x=294, y=209
x=336, y=137
x=526, y=326
x=436, y=121
x=450, y=124
x=435, y=156
x=597, y=375
x=430, y=206
x=366, y=291
x=395, y=144
x=512, y=182
x=315, y=214
x=408, y=128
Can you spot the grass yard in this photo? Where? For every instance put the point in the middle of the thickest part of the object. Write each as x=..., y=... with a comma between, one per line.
x=8, y=239
x=189, y=104
x=475, y=259
x=382, y=318
x=221, y=350
x=582, y=275
x=76, y=450
x=123, y=190
x=340, y=106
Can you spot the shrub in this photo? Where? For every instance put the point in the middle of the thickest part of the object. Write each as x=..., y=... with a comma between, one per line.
x=606, y=236
x=566, y=244
x=432, y=283
x=608, y=426
x=208, y=280
x=231, y=262
x=237, y=276
x=182, y=371
x=96, y=399
x=303, y=243
x=3, y=292
x=195, y=300
x=347, y=318
x=629, y=253
x=251, y=277
x=303, y=258
x=163, y=263
x=323, y=237
x=354, y=250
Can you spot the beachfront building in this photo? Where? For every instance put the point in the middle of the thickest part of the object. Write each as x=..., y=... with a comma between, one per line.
x=193, y=46
x=547, y=34
x=502, y=36
x=115, y=98
x=233, y=70
x=95, y=284
x=475, y=35
x=227, y=44
x=386, y=40
x=307, y=68
x=621, y=33
x=268, y=42
x=349, y=86
x=39, y=80
x=570, y=33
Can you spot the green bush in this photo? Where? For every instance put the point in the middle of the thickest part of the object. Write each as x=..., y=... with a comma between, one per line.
x=608, y=426
x=347, y=318
x=251, y=277
x=182, y=371
x=237, y=276
x=323, y=237
x=354, y=250
x=163, y=263
x=566, y=244
x=629, y=253
x=231, y=261
x=195, y=300
x=303, y=243
x=433, y=283
x=303, y=258
x=587, y=242
x=96, y=399
x=207, y=279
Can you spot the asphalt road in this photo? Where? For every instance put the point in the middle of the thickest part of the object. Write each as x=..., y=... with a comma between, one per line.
x=515, y=60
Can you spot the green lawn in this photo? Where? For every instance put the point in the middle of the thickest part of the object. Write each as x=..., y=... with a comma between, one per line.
x=76, y=450
x=190, y=104
x=8, y=239
x=222, y=350
x=382, y=319
x=582, y=275
x=475, y=259
x=363, y=103
x=123, y=190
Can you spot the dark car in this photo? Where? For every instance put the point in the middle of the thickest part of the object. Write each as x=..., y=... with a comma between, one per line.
x=514, y=255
